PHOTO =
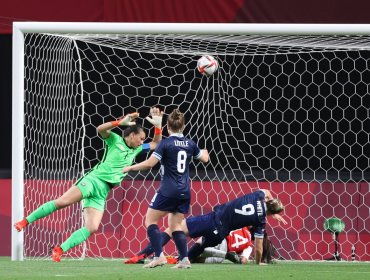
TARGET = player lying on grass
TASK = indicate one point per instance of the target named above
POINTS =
(248, 210)
(236, 247)
(93, 188)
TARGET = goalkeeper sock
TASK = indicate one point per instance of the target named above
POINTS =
(180, 240)
(148, 250)
(195, 251)
(41, 212)
(75, 239)
(155, 238)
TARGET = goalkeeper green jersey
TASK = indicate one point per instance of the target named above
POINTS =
(117, 155)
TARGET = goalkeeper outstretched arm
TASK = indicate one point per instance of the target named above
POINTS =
(129, 120)
(105, 128)
(155, 119)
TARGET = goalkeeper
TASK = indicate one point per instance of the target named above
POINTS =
(93, 188)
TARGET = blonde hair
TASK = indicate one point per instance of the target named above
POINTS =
(274, 206)
(176, 121)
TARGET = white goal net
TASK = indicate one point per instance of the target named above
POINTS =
(287, 113)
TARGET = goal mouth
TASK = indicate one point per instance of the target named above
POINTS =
(288, 113)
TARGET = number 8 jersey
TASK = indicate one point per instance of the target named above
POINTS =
(175, 153)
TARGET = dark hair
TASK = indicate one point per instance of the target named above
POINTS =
(274, 206)
(176, 121)
(136, 129)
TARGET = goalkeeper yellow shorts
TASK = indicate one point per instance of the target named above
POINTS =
(94, 191)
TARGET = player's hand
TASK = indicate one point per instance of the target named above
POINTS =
(156, 117)
(279, 218)
(129, 119)
(126, 169)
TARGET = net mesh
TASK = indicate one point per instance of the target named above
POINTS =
(286, 113)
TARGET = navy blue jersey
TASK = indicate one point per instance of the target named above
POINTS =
(175, 153)
(248, 210)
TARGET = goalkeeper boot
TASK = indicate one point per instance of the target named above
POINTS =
(135, 259)
(21, 225)
(157, 261)
(233, 257)
(184, 263)
(56, 254)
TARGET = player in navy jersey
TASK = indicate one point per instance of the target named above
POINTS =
(173, 196)
(248, 210)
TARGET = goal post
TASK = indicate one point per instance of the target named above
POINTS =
(264, 121)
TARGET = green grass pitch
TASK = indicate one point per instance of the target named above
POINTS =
(106, 270)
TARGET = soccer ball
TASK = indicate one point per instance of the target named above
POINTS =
(207, 65)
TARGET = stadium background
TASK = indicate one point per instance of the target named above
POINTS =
(152, 11)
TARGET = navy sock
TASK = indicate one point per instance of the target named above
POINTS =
(148, 250)
(155, 239)
(180, 240)
(195, 251)
(165, 238)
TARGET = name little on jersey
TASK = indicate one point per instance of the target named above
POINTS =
(181, 143)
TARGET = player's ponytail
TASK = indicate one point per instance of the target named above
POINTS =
(176, 121)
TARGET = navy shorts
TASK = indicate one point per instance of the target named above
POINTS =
(170, 204)
(206, 226)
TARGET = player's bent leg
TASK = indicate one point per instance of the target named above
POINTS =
(71, 196)
(41, 212)
(93, 217)
(178, 234)
(92, 220)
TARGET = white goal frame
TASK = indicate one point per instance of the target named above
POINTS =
(20, 28)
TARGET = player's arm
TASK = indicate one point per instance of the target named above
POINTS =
(258, 248)
(156, 120)
(244, 256)
(204, 156)
(144, 165)
(279, 218)
(268, 195)
(104, 129)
